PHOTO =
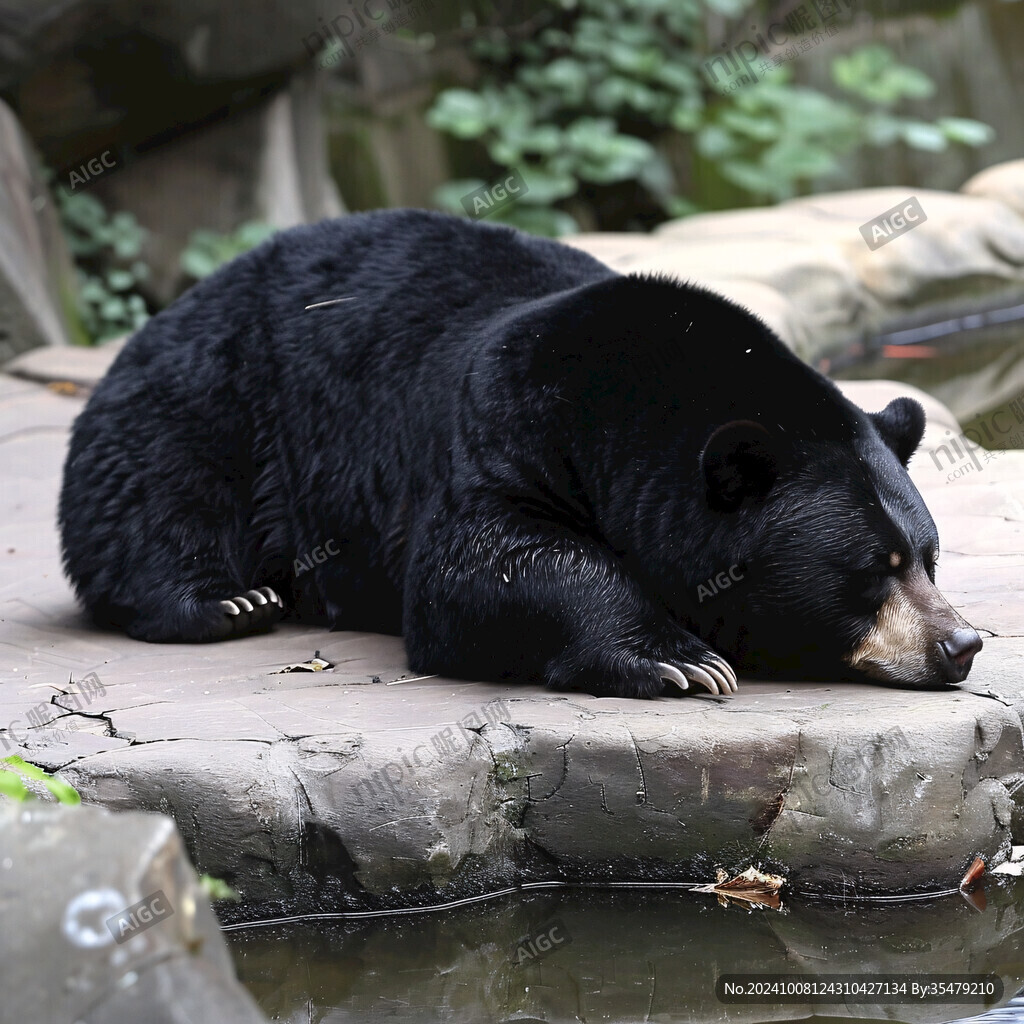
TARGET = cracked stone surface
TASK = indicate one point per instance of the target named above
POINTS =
(112, 908)
(358, 787)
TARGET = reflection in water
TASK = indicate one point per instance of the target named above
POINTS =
(623, 956)
(1012, 1013)
(972, 377)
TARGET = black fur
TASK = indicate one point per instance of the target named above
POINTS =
(901, 426)
(528, 463)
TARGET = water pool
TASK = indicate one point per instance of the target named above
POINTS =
(628, 955)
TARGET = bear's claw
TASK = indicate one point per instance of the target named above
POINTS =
(716, 677)
(255, 610)
(672, 675)
(723, 674)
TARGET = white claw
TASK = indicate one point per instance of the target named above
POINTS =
(724, 674)
(714, 669)
(673, 675)
(253, 599)
(716, 677)
(730, 674)
(697, 675)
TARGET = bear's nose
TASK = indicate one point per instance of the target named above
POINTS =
(960, 647)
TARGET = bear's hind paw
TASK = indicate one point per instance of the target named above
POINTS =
(254, 611)
(715, 676)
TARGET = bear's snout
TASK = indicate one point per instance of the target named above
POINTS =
(957, 651)
(917, 639)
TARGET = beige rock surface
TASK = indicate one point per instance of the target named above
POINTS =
(1003, 182)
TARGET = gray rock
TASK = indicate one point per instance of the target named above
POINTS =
(334, 790)
(36, 275)
(213, 43)
(155, 104)
(112, 909)
(266, 164)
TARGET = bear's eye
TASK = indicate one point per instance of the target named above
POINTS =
(871, 580)
(874, 576)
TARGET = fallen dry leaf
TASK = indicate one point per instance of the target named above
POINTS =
(974, 872)
(750, 888)
(313, 665)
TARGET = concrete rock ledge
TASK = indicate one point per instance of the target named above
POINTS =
(352, 788)
(324, 794)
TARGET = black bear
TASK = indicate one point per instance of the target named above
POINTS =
(529, 465)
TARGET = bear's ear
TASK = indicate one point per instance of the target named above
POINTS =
(901, 424)
(739, 461)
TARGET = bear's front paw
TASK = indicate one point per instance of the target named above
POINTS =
(689, 665)
(252, 612)
(713, 674)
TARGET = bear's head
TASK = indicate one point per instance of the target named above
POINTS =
(841, 576)
(765, 511)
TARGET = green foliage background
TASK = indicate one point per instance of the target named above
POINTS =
(589, 105)
(105, 248)
(619, 114)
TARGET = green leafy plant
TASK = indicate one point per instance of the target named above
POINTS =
(772, 139)
(105, 248)
(217, 888)
(12, 782)
(586, 107)
(208, 250)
